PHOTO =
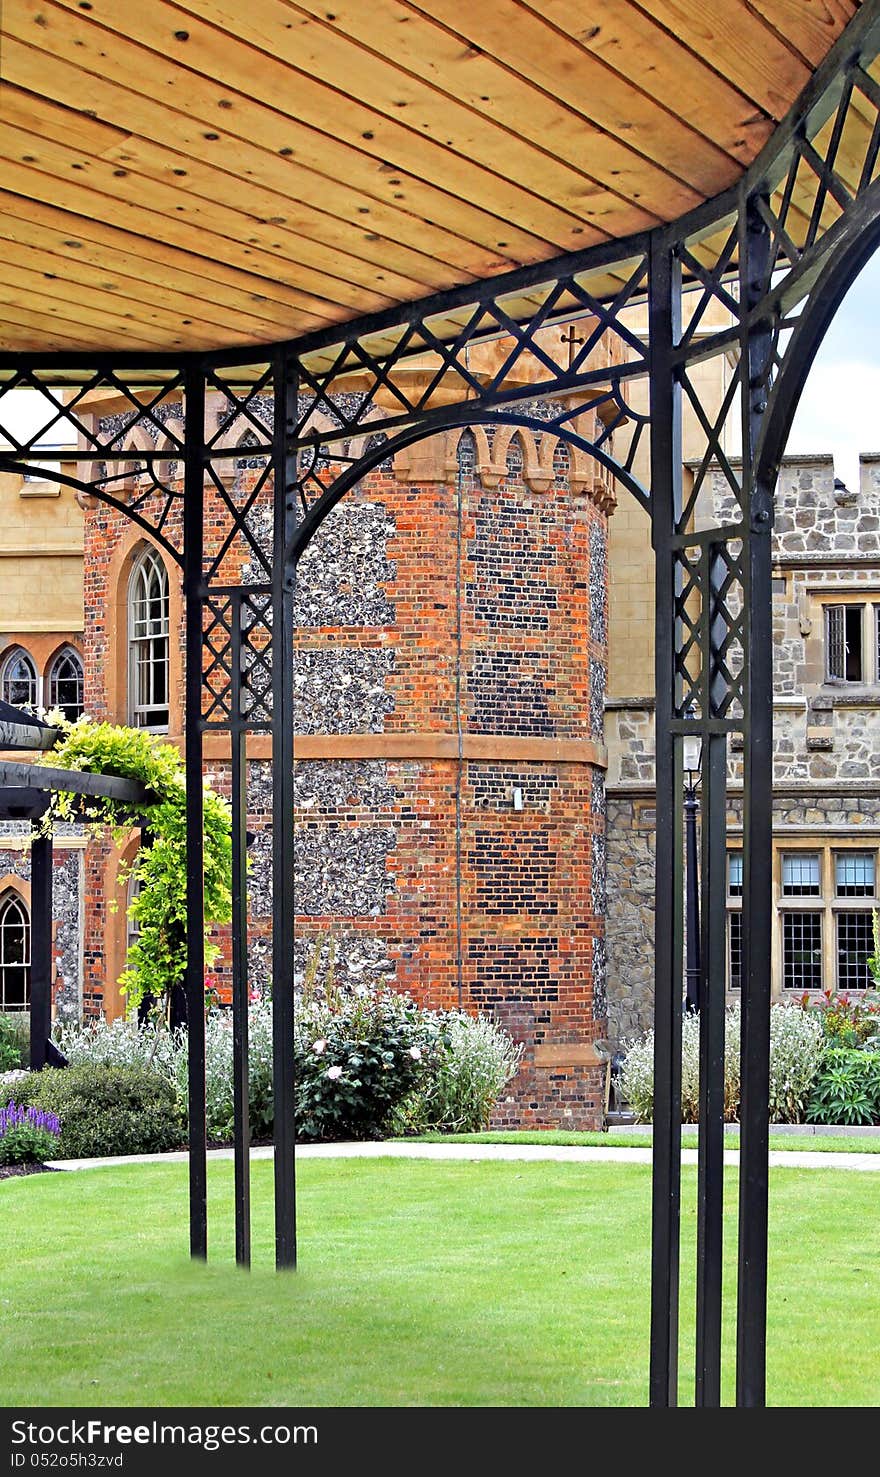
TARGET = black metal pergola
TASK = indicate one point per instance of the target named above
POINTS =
(25, 795)
(756, 275)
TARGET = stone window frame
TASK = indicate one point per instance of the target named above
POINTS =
(734, 887)
(827, 903)
(147, 554)
(867, 599)
(12, 892)
(18, 653)
(65, 653)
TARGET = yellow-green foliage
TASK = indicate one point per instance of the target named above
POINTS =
(157, 958)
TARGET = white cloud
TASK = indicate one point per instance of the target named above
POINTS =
(838, 413)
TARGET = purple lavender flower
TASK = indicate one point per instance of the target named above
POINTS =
(12, 1115)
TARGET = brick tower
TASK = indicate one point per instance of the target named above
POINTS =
(450, 678)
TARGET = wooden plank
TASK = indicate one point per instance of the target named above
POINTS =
(21, 802)
(183, 219)
(296, 197)
(659, 64)
(97, 243)
(346, 139)
(504, 111)
(809, 26)
(50, 184)
(358, 189)
(59, 333)
(33, 246)
(739, 45)
(535, 78)
(524, 139)
(84, 304)
(75, 782)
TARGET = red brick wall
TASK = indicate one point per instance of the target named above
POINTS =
(499, 636)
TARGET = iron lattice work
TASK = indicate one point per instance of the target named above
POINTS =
(601, 350)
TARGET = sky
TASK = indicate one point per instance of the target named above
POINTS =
(840, 407)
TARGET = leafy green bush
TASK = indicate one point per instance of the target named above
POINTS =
(15, 1043)
(27, 1135)
(473, 1062)
(847, 1089)
(105, 1110)
(125, 1044)
(795, 1058)
(157, 957)
(356, 1057)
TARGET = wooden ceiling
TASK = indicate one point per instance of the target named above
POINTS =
(213, 173)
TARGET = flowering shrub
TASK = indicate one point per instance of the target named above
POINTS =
(473, 1062)
(360, 1059)
(795, 1061)
(27, 1135)
(844, 1021)
(356, 1057)
(104, 1109)
(795, 1058)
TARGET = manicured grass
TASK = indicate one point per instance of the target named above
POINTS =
(620, 1138)
(419, 1284)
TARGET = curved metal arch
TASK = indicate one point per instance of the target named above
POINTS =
(820, 309)
(460, 416)
(93, 489)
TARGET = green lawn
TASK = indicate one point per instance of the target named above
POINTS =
(621, 1138)
(419, 1283)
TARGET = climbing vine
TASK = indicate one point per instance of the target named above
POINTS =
(157, 958)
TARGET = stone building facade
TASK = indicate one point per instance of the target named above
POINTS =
(450, 674)
(826, 764)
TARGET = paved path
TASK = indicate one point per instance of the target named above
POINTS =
(559, 1153)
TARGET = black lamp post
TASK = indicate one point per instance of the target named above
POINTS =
(692, 754)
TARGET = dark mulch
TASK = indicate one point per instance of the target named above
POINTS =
(10, 1171)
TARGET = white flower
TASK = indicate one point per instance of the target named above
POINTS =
(416, 1053)
(319, 1046)
(334, 1073)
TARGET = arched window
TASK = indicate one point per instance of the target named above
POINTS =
(66, 684)
(19, 681)
(15, 953)
(148, 642)
(132, 927)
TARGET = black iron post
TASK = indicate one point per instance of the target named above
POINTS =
(41, 943)
(666, 472)
(692, 890)
(283, 906)
(755, 249)
(241, 1103)
(711, 995)
(193, 594)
